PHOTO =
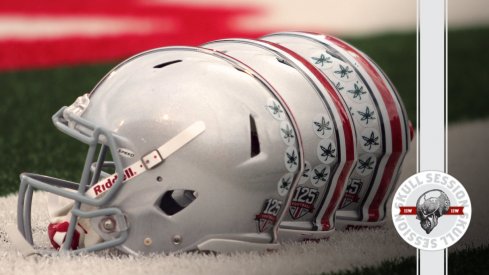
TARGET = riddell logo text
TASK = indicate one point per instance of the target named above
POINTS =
(105, 185)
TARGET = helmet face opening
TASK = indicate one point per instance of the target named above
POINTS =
(67, 206)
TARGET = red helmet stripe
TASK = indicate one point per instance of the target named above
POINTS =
(348, 134)
(395, 123)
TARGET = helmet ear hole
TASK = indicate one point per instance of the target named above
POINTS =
(174, 201)
(281, 60)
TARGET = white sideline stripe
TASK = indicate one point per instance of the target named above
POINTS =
(40, 27)
(334, 17)
(353, 17)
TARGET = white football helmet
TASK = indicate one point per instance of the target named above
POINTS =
(191, 157)
(383, 130)
(326, 130)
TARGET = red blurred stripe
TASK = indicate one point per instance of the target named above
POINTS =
(136, 8)
(191, 25)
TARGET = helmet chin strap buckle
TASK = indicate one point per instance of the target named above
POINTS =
(151, 159)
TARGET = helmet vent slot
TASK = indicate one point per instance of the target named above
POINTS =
(159, 66)
(255, 142)
(280, 60)
(174, 201)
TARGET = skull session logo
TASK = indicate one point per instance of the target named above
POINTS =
(431, 210)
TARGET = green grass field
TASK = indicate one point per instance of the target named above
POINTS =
(29, 141)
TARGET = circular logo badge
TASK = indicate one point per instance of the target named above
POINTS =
(431, 210)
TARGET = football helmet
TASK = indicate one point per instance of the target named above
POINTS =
(191, 156)
(326, 130)
(379, 117)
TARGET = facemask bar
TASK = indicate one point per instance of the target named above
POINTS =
(96, 167)
(29, 182)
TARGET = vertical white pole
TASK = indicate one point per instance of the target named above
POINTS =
(431, 108)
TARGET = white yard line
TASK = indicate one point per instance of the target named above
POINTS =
(42, 27)
(353, 17)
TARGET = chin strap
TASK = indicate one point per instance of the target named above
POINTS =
(19, 242)
(57, 235)
(150, 160)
